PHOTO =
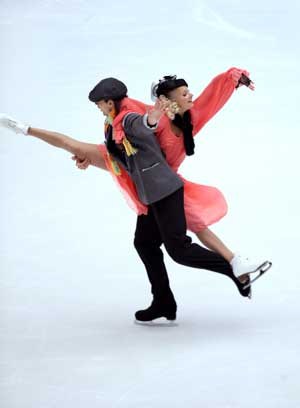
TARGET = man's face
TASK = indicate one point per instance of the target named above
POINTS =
(105, 106)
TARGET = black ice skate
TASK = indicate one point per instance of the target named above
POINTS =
(157, 309)
(244, 287)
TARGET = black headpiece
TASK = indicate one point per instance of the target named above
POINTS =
(166, 84)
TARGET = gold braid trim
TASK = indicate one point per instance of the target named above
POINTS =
(130, 150)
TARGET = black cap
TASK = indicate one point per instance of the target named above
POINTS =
(108, 88)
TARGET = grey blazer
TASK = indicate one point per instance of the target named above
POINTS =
(148, 169)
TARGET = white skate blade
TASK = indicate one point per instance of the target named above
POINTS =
(262, 269)
(159, 322)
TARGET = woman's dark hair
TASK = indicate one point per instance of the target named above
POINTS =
(167, 84)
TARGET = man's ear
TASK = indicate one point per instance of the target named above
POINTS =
(110, 103)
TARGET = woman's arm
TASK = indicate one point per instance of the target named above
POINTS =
(87, 153)
(214, 97)
(83, 152)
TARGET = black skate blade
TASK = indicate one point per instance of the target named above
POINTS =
(159, 322)
(246, 284)
(262, 269)
(250, 293)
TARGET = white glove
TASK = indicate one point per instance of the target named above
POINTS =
(12, 124)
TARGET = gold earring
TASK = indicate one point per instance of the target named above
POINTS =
(172, 107)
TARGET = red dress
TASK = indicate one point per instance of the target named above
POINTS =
(204, 205)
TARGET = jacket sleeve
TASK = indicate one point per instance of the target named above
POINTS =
(214, 97)
(134, 124)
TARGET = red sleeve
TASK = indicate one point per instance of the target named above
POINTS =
(214, 97)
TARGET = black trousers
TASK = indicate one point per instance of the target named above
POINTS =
(165, 224)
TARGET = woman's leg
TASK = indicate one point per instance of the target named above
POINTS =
(79, 149)
(211, 241)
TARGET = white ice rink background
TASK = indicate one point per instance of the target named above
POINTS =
(70, 278)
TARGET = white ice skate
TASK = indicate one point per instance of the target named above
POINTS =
(13, 124)
(245, 266)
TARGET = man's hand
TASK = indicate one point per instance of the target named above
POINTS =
(161, 106)
(82, 164)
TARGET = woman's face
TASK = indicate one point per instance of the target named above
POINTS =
(183, 97)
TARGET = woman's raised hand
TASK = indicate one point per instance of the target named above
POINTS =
(242, 79)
